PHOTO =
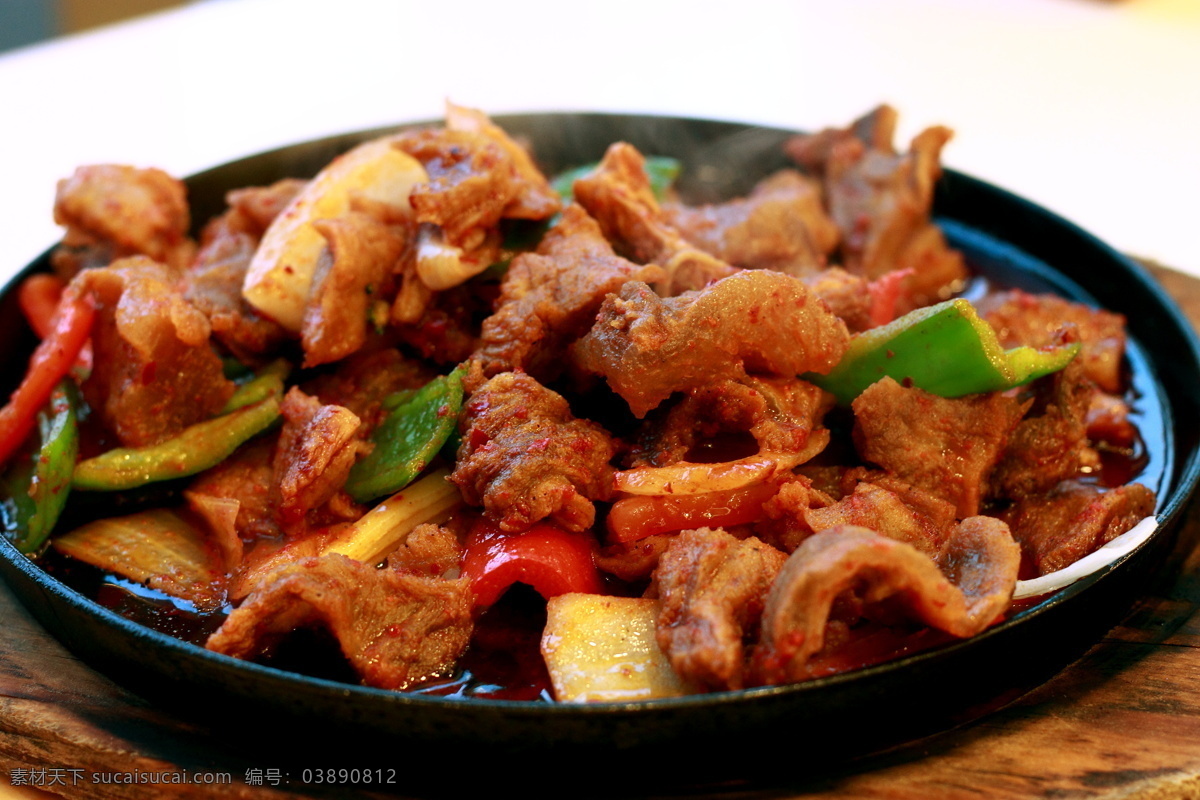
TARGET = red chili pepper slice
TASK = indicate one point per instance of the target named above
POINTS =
(551, 560)
(49, 364)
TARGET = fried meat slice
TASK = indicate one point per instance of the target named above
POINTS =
(780, 225)
(711, 588)
(395, 629)
(349, 277)
(155, 370)
(524, 457)
(549, 298)
(618, 195)
(755, 322)
(112, 211)
(1021, 318)
(881, 201)
(945, 446)
(962, 590)
(1058, 528)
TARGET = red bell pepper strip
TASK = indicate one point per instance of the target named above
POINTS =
(551, 560)
(38, 296)
(639, 516)
(49, 364)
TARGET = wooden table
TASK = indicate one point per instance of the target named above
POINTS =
(1122, 722)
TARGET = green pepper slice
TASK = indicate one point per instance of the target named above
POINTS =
(408, 439)
(945, 349)
(37, 488)
(197, 448)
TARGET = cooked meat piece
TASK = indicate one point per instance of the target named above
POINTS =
(219, 517)
(881, 202)
(363, 381)
(1021, 318)
(525, 458)
(255, 207)
(963, 590)
(1108, 421)
(429, 551)
(549, 298)
(779, 413)
(754, 322)
(349, 277)
(536, 200)
(711, 587)
(245, 478)
(317, 447)
(213, 284)
(618, 195)
(477, 176)
(780, 225)
(443, 326)
(945, 446)
(395, 630)
(1057, 529)
(886, 513)
(1050, 445)
(155, 371)
(125, 211)
(784, 525)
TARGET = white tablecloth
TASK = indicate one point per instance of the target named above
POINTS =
(1091, 108)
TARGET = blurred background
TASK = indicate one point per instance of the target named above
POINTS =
(1088, 107)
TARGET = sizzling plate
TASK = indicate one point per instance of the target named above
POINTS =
(846, 714)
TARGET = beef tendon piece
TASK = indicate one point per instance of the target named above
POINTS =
(780, 225)
(349, 277)
(525, 458)
(755, 322)
(122, 211)
(317, 447)
(962, 590)
(1035, 320)
(549, 298)
(881, 201)
(618, 195)
(155, 370)
(945, 446)
(395, 629)
(1057, 529)
(711, 588)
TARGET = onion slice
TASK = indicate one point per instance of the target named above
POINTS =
(686, 477)
(1121, 546)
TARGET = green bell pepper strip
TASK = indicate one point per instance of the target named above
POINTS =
(661, 170)
(268, 382)
(408, 439)
(945, 349)
(197, 448)
(38, 487)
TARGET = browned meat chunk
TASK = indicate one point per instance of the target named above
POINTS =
(780, 225)
(255, 207)
(886, 513)
(363, 381)
(1021, 318)
(754, 322)
(525, 458)
(780, 414)
(634, 561)
(348, 279)
(155, 372)
(125, 211)
(618, 195)
(549, 298)
(395, 630)
(477, 176)
(711, 587)
(945, 446)
(1057, 529)
(429, 551)
(961, 591)
(881, 202)
(245, 478)
(1050, 445)
(317, 447)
